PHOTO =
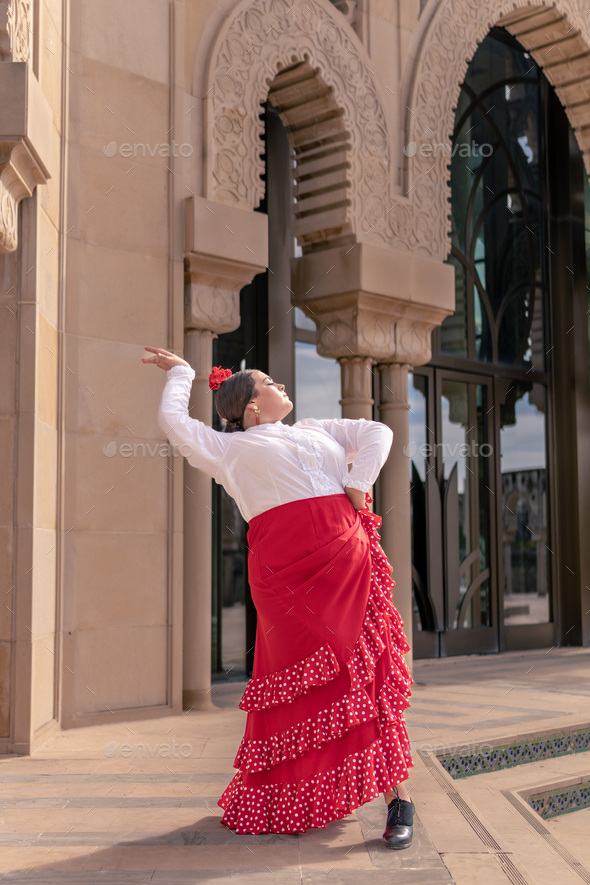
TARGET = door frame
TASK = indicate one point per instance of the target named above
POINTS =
(497, 637)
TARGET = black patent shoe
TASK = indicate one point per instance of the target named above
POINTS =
(399, 829)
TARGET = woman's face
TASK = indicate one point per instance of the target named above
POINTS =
(271, 399)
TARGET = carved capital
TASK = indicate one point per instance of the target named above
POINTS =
(373, 302)
(212, 292)
(26, 125)
(225, 247)
(19, 174)
(14, 30)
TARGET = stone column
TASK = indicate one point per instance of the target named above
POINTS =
(396, 535)
(357, 387)
(196, 663)
(225, 248)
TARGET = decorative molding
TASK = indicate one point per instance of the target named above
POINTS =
(354, 324)
(246, 61)
(14, 30)
(8, 220)
(372, 302)
(224, 249)
(456, 29)
(212, 292)
(530, 748)
(342, 107)
(19, 174)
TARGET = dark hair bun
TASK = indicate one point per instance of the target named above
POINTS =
(233, 426)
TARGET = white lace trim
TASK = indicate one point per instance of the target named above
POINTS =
(178, 371)
(312, 461)
(356, 484)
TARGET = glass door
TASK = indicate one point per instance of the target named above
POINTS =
(453, 509)
(462, 465)
(525, 545)
(481, 545)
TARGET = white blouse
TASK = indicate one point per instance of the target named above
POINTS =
(272, 464)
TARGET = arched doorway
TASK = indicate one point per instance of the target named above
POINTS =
(492, 465)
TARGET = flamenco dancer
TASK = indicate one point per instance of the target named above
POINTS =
(325, 731)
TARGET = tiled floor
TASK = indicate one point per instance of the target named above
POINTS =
(71, 814)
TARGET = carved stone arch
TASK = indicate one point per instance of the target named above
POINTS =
(558, 38)
(309, 63)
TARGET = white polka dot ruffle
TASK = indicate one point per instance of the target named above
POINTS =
(288, 685)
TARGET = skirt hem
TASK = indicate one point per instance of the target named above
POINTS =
(290, 808)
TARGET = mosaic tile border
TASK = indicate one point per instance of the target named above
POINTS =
(495, 758)
(561, 801)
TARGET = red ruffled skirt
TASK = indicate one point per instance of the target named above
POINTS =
(325, 731)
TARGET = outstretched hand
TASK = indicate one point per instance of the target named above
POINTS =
(163, 358)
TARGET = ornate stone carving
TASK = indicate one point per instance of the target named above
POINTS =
(225, 248)
(212, 292)
(359, 300)
(245, 61)
(456, 29)
(19, 174)
(262, 38)
(412, 339)
(14, 30)
(381, 334)
(8, 220)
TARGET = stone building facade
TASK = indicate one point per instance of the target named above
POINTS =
(135, 164)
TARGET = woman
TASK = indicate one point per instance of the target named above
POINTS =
(325, 731)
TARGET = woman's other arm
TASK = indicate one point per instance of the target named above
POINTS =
(201, 445)
(367, 445)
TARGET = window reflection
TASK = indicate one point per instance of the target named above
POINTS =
(587, 242)
(233, 587)
(418, 429)
(418, 466)
(524, 505)
(465, 458)
(497, 211)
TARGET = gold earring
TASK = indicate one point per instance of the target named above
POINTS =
(257, 410)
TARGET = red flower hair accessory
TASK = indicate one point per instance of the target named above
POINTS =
(218, 376)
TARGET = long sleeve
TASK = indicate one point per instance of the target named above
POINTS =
(202, 446)
(366, 443)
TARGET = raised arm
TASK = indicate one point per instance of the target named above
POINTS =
(366, 443)
(202, 446)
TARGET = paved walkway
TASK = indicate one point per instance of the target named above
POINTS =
(85, 810)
